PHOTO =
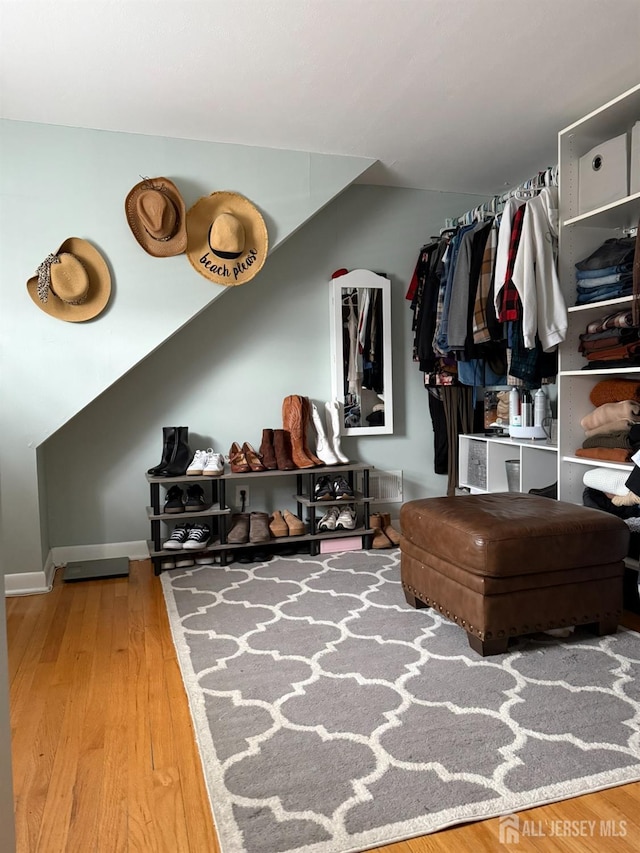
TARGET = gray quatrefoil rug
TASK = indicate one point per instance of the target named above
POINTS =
(332, 717)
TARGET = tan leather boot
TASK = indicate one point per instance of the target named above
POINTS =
(390, 531)
(380, 539)
(293, 423)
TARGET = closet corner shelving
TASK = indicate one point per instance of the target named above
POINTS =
(579, 235)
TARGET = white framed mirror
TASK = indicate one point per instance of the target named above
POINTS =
(361, 352)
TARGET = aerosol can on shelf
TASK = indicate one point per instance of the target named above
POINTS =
(539, 407)
(515, 418)
(526, 409)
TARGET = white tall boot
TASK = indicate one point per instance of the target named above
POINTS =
(333, 412)
(323, 447)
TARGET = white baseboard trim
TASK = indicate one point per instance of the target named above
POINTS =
(31, 583)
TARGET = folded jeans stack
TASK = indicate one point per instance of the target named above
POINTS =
(606, 273)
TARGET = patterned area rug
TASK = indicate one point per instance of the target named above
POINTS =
(332, 717)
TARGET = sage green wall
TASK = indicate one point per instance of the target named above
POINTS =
(226, 373)
(58, 182)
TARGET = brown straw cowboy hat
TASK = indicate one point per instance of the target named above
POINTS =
(74, 284)
(227, 240)
(156, 215)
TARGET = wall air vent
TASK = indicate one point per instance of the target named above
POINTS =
(384, 486)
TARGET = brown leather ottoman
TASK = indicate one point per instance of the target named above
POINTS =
(507, 564)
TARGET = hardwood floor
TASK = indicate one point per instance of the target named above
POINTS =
(104, 757)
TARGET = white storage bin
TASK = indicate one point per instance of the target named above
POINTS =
(603, 174)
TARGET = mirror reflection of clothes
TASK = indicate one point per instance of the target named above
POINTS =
(363, 365)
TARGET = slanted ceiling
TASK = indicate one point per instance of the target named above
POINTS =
(458, 95)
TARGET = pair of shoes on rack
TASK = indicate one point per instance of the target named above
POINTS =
(338, 518)
(285, 524)
(244, 459)
(180, 563)
(194, 502)
(190, 537)
(249, 527)
(206, 463)
(336, 489)
(384, 534)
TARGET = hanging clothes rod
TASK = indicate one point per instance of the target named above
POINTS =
(527, 189)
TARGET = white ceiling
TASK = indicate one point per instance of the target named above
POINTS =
(457, 95)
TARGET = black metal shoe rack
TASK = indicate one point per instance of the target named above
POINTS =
(218, 514)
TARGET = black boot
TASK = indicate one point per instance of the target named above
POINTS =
(180, 457)
(168, 443)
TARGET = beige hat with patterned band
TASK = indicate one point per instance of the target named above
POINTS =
(156, 215)
(227, 239)
(74, 284)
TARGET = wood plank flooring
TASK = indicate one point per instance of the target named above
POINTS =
(104, 757)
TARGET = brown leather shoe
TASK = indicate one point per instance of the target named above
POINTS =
(259, 527)
(282, 448)
(293, 423)
(277, 525)
(295, 525)
(255, 463)
(389, 531)
(239, 532)
(237, 460)
(267, 450)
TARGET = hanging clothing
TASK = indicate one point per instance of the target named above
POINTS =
(535, 275)
(502, 248)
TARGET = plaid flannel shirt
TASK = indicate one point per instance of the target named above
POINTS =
(511, 308)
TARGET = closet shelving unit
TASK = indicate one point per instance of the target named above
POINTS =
(579, 235)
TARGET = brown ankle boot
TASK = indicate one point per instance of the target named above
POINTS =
(267, 450)
(282, 449)
(259, 527)
(239, 532)
(389, 531)
(293, 423)
(380, 539)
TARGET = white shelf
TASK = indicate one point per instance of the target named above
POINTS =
(619, 214)
(580, 235)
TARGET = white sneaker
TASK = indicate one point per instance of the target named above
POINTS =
(214, 466)
(197, 464)
(329, 519)
(346, 519)
(184, 563)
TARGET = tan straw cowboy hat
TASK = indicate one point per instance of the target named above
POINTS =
(74, 284)
(155, 213)
(227, 239)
